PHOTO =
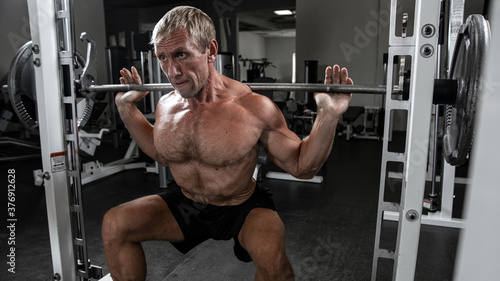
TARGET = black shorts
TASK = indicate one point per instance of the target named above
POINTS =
(199, 222)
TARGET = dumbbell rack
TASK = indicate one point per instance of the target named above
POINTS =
(53, 55)
(422, 48)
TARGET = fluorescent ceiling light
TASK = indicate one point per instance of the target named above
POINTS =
(283, 12)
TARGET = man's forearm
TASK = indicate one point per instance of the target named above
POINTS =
(316, 148)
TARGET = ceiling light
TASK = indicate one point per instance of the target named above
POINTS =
(283, 12)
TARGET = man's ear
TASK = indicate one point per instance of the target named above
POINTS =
(212, 50)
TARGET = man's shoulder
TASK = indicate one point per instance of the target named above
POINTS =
(238, 89)
(169, 96)
(259, 106)
(170, 101)
(251, 99)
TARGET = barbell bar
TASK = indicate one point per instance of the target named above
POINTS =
(287, 87)
(444, 89)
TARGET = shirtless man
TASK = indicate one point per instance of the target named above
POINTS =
(208, 132)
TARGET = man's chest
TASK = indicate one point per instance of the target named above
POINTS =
(220, 137)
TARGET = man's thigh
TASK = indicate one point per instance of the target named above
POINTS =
(148, 218)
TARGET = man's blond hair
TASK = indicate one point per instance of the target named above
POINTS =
(198, 24)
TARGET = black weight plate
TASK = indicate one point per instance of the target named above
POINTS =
(468, 61)
(22, 90)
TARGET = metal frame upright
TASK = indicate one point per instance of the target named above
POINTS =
(422, 47)
(53, 57)
(443, 216)
(52, 137)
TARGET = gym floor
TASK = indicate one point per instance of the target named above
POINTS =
(330, 226)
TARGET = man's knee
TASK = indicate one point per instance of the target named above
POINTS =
(271, 259)
(263, 236)
(113, 226)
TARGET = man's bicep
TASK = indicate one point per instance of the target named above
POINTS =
(282, 145)
(283, 149)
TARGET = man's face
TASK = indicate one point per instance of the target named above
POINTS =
(185, 66)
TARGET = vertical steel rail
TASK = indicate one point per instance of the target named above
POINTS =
(433, 196)
(456, 18)
(50, 108)
(422, 49)
(66, 61)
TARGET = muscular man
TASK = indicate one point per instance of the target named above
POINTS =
(208, 132)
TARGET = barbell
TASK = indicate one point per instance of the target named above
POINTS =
(287, 87)
(459, 92)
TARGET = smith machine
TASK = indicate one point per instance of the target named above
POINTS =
(63, 79)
